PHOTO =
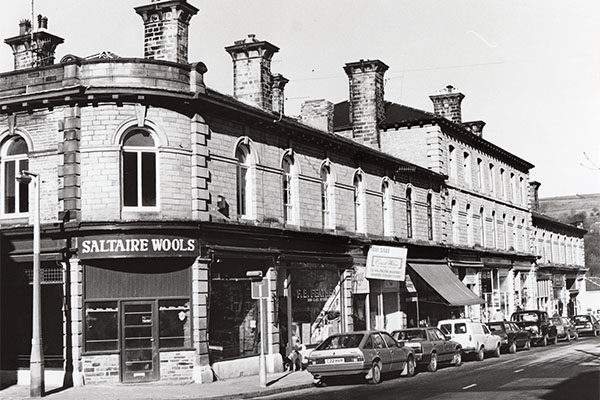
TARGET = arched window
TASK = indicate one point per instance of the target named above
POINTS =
(13, 160)
(480, 174)
(482, 226)
(409, 216)
(454, 217)
(430, 216)
(242, 155)
(492, 178)
(386, 207)
(523, 244)
(359, 204)
(288, 190)
(452, 162)
(505, 231)
(514, 233)
(467, 170)
(469, 212)
(139, 163)
(502, 183)
(327, 191)
(494, 230)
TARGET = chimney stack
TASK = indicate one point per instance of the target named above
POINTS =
(317, 114)
(33, 49)
(533, 195)
(446, 103)
(279, 83)
(252, 79)
(166, 29)
(367, 103)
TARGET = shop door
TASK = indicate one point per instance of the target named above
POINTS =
(139, 355)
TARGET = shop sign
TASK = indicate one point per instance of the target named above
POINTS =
(123, 246)
(360, 283)
(470, 280)
(558, 281)
(386, 263)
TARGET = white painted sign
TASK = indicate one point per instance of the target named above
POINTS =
(360, 284)
(386, 263)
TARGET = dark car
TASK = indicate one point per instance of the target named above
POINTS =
(512, 337)
(587, 324)
(538, 324)
(565, 328)
(366, 353)
(431, 346)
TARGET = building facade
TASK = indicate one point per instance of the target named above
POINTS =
(159, 195)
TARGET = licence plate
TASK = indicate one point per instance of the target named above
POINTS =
(334, 361)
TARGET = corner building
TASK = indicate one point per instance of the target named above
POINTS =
(159, 195)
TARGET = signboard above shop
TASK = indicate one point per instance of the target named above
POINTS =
(386, 263)
(139, 246)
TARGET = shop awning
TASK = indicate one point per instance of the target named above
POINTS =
(446, 284)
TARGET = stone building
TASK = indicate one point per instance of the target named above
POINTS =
(159, 195)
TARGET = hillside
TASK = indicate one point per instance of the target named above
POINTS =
(584, 208)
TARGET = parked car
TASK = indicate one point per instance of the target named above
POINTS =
(431, 346)
(538, 324)
(565, 328)
(587, 324)
(511, 336)
(474, 337)
(367, 353)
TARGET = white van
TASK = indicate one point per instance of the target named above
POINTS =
(474, 337)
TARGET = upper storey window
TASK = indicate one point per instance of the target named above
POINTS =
(386, 207)
(242, 155)
(139, 169)
(430, 216)
(288, 189)
(327, 199)
(409, 212)
(452, 162)
(359, 203)
(13, 160)
(467, 170)
(480, 174)
(492, 177)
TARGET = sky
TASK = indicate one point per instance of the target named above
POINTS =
(529, 69)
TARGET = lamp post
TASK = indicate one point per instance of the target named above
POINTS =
(36, 360)
(259, 292)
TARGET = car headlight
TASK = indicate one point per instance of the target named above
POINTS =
(534, 329)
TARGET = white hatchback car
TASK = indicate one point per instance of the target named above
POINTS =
(474, 337)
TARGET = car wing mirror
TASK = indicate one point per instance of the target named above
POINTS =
(400, 344)
(447, 337)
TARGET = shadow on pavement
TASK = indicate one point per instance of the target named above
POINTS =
(582, 386)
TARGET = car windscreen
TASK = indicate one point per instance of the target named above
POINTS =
(496, 327)
(525, 317)
(582, 319)
(341, 342)
(411, 334)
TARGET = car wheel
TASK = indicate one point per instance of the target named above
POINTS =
(480, 354)
(595, 333)
(512, 348)
(375, 374)
(528, 344)
(411, 367)
(497, 351)
(457, 359)
(320, 382)
(432, 366)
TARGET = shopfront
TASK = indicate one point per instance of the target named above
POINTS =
(137, 307)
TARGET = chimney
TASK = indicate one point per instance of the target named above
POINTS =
(475, 127)
(446, 103)
(318, 114)
(31, 48)
(252, 79)
(279, 83)
(533, 195)
(166, 29)
(367, 103)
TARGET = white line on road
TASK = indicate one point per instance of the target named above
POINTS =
(518, 370)
(470, 386)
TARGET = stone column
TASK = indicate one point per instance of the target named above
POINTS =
(200, 174)
(74, 291)
(200, 275)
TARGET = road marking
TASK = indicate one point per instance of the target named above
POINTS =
(470, 386)
(518, 370)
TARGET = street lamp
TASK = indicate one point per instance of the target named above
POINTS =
(36, 360)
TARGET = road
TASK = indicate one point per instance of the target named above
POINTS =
(557, 372)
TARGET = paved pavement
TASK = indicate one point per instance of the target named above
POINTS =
(246, 387)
